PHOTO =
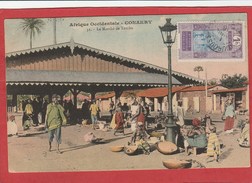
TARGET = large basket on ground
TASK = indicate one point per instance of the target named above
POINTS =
(116, 148)
(130, 150)
(167, 147)
(177, 164)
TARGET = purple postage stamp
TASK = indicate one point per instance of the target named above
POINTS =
(211, 40)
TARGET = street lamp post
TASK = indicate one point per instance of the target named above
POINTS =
(168, 32)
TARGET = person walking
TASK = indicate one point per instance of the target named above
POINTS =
(111, 109)
(94, 111)
(138, 121)
(229, 116)
(119, 121)
(180, 114)
(55, 118)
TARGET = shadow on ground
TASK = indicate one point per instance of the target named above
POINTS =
(100, 141)
(226, 153)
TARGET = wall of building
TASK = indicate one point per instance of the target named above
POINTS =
(195, 101)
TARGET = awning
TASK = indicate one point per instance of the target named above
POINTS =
(230, 90)
(158, 92)
(105, 96)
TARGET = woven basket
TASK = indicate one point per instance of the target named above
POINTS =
(167, 147)
(116, 148)
(177, 164)
(130, 150)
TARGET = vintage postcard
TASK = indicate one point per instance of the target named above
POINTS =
(131, 92)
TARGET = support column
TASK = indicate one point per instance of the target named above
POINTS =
(214, 102)
(118, 93)
(155, 103)
(61, 98)
(75, 92)
(50, 97)
(93, 95)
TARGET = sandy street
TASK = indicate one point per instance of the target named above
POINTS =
(30, 153)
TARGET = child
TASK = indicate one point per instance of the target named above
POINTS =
(207, 123)
(213, 146)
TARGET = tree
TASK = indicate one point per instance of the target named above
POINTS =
(31, 27)
(235, 81)
(54, 21)
(198, 69)
(212, 82)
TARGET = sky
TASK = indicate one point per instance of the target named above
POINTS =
(137, 41)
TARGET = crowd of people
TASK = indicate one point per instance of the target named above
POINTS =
(134, 114)
(34, 112)
(200, 134)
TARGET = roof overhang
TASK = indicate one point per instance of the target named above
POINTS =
(230, 90)
(25, 77)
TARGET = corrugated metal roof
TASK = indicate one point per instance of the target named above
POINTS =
(196, 88)
(37, 49)
(159, 92)
(72, 45)
(73, 77)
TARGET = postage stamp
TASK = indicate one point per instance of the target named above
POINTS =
(211, 40)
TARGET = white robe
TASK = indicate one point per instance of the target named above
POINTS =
(12, 128)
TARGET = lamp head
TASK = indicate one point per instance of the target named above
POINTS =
(168, 32)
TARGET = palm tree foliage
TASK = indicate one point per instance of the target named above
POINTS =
(31, 27)
(198, 69)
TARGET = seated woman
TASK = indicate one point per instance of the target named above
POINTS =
(244, 139)
(195, 137)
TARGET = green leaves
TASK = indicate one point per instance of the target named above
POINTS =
(235, 81)
(32, 26)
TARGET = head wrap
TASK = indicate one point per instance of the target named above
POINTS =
(196, 122)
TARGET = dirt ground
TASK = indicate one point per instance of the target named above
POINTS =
(30, 153)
